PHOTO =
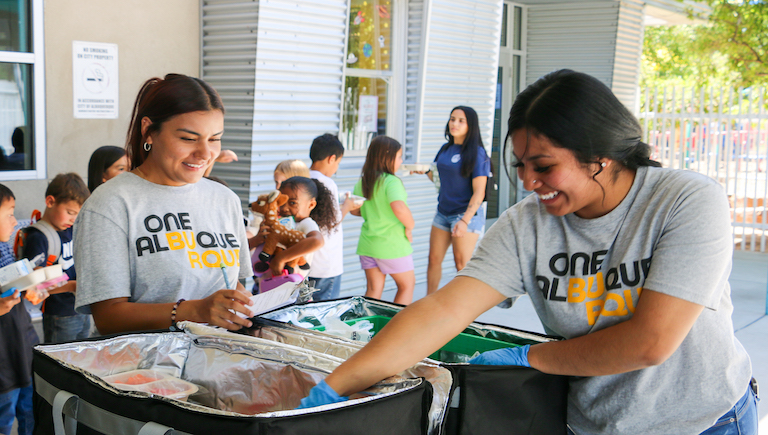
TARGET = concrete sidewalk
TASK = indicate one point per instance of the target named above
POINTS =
(749, 280)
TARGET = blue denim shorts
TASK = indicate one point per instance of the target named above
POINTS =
(740, 420)
(446, 223)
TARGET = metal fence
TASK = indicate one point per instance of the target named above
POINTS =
(721, 133)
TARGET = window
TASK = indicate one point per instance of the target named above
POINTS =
(368, 72)
(21, 99)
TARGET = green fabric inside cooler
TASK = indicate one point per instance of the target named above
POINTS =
(464, 344)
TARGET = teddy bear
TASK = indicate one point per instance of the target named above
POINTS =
(279, 238)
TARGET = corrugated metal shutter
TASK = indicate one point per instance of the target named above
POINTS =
(278, 66)
(299, 59)
(629, 47)
(580, 36)
(461, 67)
(229, 65)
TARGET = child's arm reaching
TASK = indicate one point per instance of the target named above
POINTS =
(403, 214)
(311, 243)
(349, 206)
(69, 287)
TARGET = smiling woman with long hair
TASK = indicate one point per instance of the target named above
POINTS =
(628, 261)
(463, 167)
(149, 244)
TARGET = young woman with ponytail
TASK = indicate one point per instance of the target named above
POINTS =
(628, 261)
(160, 244)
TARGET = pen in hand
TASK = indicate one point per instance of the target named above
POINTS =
(224, 272)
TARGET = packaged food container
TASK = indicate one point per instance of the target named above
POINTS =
(15, 271)
(53, 272)
(33, 278)
(359, 200)
(137, 377)
(418, 167)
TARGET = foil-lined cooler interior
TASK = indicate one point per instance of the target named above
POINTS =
(238, 375)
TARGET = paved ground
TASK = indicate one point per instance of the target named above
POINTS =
(749, 280)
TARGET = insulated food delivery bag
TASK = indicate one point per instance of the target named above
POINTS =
(484, 399)
(204, 380)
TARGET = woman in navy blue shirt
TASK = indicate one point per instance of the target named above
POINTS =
(463, 167)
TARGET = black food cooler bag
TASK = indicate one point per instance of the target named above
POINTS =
(72, 397)
(483, 399)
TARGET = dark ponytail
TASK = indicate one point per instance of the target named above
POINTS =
(161, 99)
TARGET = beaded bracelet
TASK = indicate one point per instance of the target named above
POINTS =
(173, 311)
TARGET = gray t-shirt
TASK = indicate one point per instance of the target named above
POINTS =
(671, 234)
(153, 243)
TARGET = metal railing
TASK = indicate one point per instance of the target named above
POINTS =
(721, 133)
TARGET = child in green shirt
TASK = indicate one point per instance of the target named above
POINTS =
(385, 238)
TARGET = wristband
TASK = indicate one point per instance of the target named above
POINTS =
(173, 311)
(465, 222)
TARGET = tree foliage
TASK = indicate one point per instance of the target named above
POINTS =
(731, 48)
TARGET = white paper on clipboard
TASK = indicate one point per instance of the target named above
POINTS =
(278, 297)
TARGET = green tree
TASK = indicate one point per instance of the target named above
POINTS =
(731, 48)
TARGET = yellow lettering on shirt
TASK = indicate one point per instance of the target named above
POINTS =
(621, 309)
(191, 243)
(600, 287)
(216, 258)
(194, 260)
(174, 241)
(576, 289)
(628, 298)
(593, 310)
(227, 262)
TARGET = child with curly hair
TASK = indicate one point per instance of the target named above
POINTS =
(310, 204)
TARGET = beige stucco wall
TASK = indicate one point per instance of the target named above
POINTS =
(153, 38)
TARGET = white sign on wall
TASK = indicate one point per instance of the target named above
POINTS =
(368, 113)
(94, 77)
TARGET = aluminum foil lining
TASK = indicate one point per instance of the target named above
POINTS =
(342, 348)
(238, 375)
(315, 314)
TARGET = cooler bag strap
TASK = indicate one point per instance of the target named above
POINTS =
(64, 425)
(152, 428)
(92, 416)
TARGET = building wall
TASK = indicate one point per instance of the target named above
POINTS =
(153, 38)
(601, 38)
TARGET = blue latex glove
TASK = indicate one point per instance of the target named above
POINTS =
(511, 356)
(321, 394)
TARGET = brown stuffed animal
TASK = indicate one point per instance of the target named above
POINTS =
(279, 237)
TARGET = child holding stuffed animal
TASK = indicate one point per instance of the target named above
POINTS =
(385, 239)
(310, 204)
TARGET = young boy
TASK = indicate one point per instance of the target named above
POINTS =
(63, 198)
(17, 337)
(328, 263)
